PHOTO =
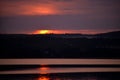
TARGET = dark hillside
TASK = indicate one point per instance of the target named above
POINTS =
(49, 46)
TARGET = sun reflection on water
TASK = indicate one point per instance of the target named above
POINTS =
(44, 70)
(43, 78)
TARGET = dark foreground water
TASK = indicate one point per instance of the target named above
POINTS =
(64, 76)
(59, 69)
(62, 73)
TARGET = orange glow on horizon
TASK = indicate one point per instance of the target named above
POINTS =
(64, 32)
(69, 31)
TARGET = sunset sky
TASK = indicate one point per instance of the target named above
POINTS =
(67, 16)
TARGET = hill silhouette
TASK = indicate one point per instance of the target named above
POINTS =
(104, 45)
(114, 34)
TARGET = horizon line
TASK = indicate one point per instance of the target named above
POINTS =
(67, 33)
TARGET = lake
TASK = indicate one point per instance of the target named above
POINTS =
(60, 69)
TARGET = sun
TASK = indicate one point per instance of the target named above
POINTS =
(43, 32)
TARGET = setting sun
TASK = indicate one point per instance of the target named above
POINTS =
(48, 32)
(44, 31)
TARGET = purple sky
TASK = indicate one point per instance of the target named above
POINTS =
(26, 16)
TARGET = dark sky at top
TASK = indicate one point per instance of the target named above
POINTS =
(25, 16)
